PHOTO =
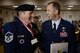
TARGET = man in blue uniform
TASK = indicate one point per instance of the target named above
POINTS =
(18, 35)
(56, 29)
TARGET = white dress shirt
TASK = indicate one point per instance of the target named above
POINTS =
(56, 22)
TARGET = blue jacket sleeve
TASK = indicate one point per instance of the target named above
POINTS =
(72, 40)
(9, 38)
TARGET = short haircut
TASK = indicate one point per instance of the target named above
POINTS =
(56, 5)
(36, 17)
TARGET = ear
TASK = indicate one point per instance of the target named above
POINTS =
(56, 11)
(19, 12)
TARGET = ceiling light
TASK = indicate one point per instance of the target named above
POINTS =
(39, 8)
(15, 6)
(70, 6)
(35, 6)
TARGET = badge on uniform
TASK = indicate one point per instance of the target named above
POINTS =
(21, 41)
(63, 33)
(34, 41)
(8, 37)
(20, 36)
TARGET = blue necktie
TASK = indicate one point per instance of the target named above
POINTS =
(54, 29)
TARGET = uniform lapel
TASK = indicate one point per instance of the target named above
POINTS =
(21, 26)
(60, 25)
(50, 24)
(50, 29)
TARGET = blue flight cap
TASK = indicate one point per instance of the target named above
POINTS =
(25, 7)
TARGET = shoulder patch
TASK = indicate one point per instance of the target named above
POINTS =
(8, 37)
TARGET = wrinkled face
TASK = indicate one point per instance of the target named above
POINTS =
(25, 16)
(51, 11)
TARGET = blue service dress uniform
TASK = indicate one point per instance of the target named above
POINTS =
(48, 36)
(17, 38)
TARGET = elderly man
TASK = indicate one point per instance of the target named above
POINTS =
(18, 35)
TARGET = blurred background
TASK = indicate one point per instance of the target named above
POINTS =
(70, 10)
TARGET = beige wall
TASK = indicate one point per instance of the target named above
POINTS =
(75, 14)
(64, 14)
(7, 15)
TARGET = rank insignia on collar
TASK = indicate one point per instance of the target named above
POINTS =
(8, 37)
